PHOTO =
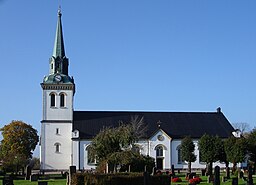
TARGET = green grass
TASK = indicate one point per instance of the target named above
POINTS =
(50, 182)
(184, 182)
(204, 181)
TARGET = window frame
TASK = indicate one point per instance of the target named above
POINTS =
(57, 147)
(179, 156)
(57, 131)
(52, 100)
(160, 151)
(89, 160)
(62, 100)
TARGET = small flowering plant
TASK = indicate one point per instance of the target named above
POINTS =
(176, 179)
(195, 180)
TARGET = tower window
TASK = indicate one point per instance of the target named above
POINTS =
(57, 131)
(62, 100)
(53, 100)
(57, 147)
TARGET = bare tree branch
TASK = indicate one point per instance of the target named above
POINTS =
(242, 126)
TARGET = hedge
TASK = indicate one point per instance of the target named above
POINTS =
(118, 179)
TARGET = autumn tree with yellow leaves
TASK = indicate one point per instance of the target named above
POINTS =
(19, 140)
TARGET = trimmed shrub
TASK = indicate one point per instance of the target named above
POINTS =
(160, 180)
(78, 179)
(118, 179)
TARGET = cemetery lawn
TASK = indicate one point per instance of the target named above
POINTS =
(184, 182)
(50, 182)
(204, 181)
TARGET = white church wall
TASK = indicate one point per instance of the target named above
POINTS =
(62, 113)
(175, 144)
(42, 147)
(147, 147)
(84, 155)
(56, 134)
(197, 164)
(143, 145)
(154, 141)
(75, 153)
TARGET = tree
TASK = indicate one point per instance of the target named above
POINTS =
(115, 145)
(130, 160)
(236, 149)
(222, 156)
(251, 139)
(19, 140)
(187, 151)
(210, 148)
(35, 163)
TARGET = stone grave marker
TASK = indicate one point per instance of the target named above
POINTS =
(216, 180)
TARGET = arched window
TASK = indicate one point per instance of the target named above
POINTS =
(57, 147)
(179, 154)
(91, 158)
(159, 151)
(62, 100)
(53, 100)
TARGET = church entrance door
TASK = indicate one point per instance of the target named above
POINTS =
(159, 163)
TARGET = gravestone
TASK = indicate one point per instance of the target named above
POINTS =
(34, 177)
(28, 173)
(191, 175)
(241, 175)
(216, 180)
(203, 172)
(250, 180)
(173, 172)
(228, 173)
(235, 181)
(72, 170)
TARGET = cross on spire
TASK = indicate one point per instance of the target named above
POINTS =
(159, 123)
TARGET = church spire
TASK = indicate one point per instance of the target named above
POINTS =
(59, 62)
(59, 50)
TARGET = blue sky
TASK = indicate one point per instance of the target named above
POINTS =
(150, 55)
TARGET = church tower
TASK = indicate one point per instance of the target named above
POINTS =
(58, 93)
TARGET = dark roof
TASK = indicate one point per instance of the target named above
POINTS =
(175, 124)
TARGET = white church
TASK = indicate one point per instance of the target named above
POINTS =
(66, 134)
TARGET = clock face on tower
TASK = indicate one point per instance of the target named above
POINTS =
(57, 78)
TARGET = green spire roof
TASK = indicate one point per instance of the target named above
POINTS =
(59, 50)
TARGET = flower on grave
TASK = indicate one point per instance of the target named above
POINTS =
(176, 179)
(195, 180)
